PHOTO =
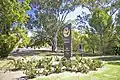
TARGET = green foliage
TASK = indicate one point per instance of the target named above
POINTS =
(67, 63)
(18, 64)
(7, 43)
(47, 65)
(12, 11)
(101, 37)
(97, 63)
(82, 68)
(85, 65)
(60, 39)
(104, 21)
(99, 18)
(80, 65)
(47, 4)
(30, 69)
(115, 51)
(57, 58)
(39, 63)
(118, 18)
(92, 42)
(91, 64)
(29, 66)
(58, 67)
(22, 32)
(77, 38)
(11, 41)
(50, 18)
(31, 72)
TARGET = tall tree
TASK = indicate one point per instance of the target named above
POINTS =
(102, 24)
(58, 8)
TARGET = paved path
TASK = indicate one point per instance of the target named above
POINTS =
(11, 75)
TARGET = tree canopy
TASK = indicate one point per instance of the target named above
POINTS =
(12, 17)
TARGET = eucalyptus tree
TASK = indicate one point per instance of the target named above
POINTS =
(51, 15)
(102, 24)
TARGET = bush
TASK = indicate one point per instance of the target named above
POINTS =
(115, 51)
(90, 63)
(31, 72)
(18, 64)
(7, 43)
(97, 63)
(58, 67)
(39, 63)
(63, 61)
(48, 65)
(30, 69)
(80, 65)
(82, 68)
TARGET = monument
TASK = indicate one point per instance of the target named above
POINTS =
(67, 41)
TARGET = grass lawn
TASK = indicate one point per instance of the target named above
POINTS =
(112, 72)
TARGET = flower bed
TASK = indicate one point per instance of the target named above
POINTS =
(36, 66)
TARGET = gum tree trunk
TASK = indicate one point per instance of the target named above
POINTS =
(54, 44)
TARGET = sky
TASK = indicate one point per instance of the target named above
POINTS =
(71, 16)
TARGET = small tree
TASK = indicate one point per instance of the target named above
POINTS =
(12, 14)
(77, 38)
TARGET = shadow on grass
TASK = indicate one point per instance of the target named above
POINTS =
(114, 58)
(114, 63)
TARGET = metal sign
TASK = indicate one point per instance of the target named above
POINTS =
(67, 40)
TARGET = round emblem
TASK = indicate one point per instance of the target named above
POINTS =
(66, 32)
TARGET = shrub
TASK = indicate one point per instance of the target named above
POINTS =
(58, 67)
(47, 65)
(94, 64)
(30, 69)
(57, 58)
(78, 58)
(7, 43)
(18, 64)
(31, 72)
(90, 64)
(67, 63)
(11, 40)
(39, 63)
(97, 63)
(63, 61)
(82, 68)
(115, 50)
(78, 64)
(29, 66)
